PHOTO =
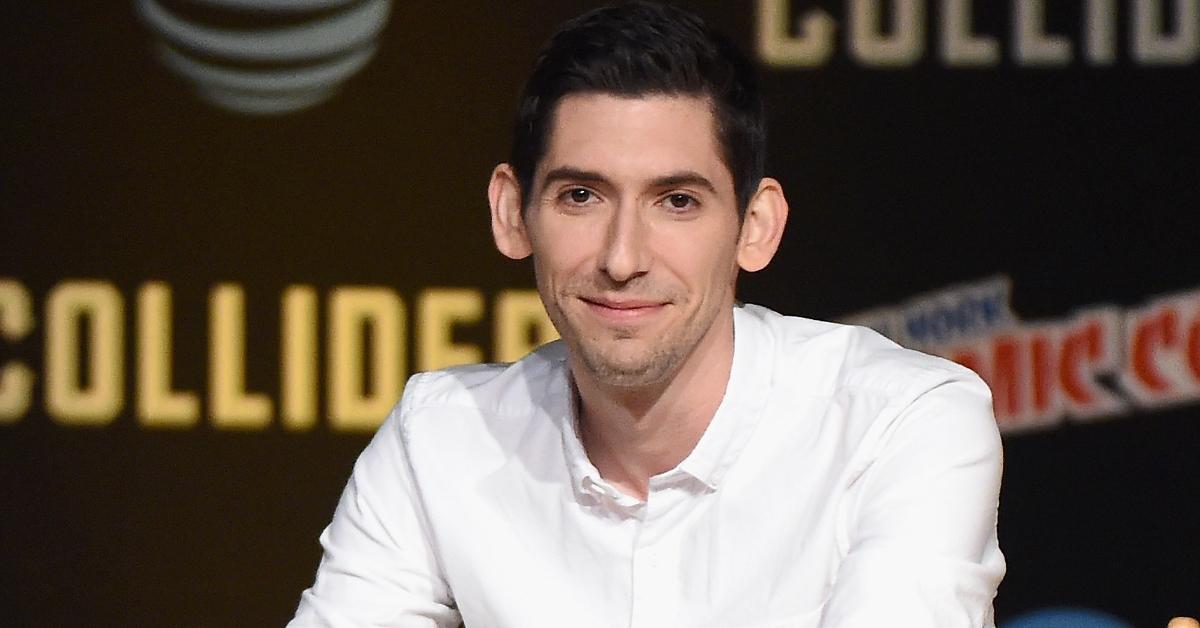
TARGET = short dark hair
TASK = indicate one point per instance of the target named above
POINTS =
(642, 48)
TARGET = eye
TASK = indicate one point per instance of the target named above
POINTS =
(680, 201)
(579, 196)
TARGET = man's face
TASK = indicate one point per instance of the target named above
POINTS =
(634, 229)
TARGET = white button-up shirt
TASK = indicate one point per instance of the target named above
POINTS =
(843, 481)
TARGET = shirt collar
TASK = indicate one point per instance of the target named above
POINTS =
(745, 395)
(579, 465)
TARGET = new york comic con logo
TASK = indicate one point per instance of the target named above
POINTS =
(1098, 363)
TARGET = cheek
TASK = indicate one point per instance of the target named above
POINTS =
(566, 244)
(702, 266)
(556, 261)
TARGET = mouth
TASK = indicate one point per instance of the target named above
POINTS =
(623, 310)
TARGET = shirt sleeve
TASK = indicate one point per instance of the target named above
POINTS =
(379, 567)
(921, 545)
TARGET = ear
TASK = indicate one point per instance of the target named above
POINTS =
(508, 223)
(762, 227)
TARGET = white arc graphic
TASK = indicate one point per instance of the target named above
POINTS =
(289, 54)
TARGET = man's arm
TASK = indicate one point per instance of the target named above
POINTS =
(921, 538)
(379, 568)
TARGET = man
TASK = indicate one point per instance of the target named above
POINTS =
(677, 459)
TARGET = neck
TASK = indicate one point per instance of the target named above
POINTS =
(632, 434)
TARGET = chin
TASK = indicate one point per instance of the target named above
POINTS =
(628, 371)
(627, 378)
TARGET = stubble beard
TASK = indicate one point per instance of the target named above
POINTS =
(658, 359)
(639, 372)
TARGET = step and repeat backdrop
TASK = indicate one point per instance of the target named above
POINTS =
(232, 228)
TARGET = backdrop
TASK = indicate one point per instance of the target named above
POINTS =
(231, 229)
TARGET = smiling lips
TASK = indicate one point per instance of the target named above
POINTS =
(623, 310)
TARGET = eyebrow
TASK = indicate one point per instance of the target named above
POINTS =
(572, 174)
(683, 177)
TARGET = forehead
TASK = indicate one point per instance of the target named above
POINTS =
(635, 137)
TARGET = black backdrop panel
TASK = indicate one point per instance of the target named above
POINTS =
(1033, 152)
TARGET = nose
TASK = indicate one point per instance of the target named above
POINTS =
(625, 255)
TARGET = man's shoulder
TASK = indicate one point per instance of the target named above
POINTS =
(508, 389)
(475, 419)
(874, 392)
(833, 358)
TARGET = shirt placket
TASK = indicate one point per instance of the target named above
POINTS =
(654, 601)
